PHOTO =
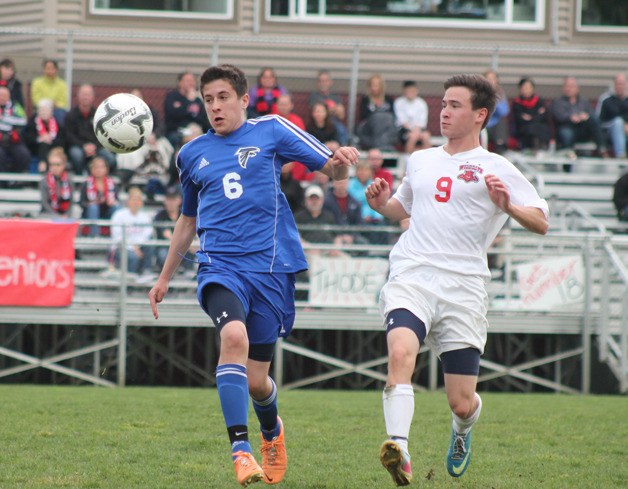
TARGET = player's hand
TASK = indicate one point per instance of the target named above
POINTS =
(498, 192)
(377, 193)
(157, 294)
(345, 156)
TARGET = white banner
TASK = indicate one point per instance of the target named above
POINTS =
(346, 281)
(552, 283)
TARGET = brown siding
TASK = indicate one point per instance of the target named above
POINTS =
(436, 54)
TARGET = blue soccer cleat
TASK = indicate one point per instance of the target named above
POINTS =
(459, 453)
(397, 462)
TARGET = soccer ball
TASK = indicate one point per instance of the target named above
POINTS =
(122, 123)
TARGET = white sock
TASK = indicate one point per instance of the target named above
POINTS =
(463, 426)
(398, 412)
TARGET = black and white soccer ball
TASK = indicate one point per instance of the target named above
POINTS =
(122, 123)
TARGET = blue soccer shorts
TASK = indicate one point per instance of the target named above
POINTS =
(267, 299)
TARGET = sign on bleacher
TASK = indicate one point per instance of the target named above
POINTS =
(346, 281)
(552, 283)
(36, 262)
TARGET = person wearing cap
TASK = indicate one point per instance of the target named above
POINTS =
(249, 254)
(411, 114)
(314, 213)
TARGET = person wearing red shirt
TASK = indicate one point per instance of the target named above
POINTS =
(376, 160)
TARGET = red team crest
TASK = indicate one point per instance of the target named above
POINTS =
(470, 173)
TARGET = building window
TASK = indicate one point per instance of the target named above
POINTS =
(602, 15)
(213, 9)
(527, 14)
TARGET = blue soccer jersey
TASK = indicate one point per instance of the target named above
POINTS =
(231, 184)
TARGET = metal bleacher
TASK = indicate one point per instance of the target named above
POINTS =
(113, 309)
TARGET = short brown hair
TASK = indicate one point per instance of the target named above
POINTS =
(232, 74)
(483, 95)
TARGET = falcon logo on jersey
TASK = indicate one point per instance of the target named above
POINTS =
(470, 173)
(244, 154)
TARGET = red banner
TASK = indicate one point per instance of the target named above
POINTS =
(36, 262)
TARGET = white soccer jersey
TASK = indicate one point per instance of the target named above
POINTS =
(453, 220)
(411, 112)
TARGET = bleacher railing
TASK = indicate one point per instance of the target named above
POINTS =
(122, 302)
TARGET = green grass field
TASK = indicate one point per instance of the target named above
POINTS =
(88, 437)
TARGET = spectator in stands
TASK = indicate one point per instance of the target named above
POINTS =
(285, 108)
(324, 84)
(99, 194)
(497, 126)
(575, 120)
(314, 214)
(613, 114)
(81, 141)
(530, 118)
(43, 132)
(264, 95)
(620, 197)
(14, 155)
(137, 223)
(357, 185)
(375, 158)
(49, 85)
(56, 186)
(164, 222)
(411, 114)
(182, 106)
(291, 188)
(377, 127)
(346, 211)
(159, 142)
(8, 79)
(322, 127)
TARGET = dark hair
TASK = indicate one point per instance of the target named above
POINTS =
(483, 94)
(526, 79)
(7, 63)
(48, 60)
(409, 83)
(232, 74)
(328, 124)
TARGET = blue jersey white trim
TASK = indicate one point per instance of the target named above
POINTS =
(231, 184)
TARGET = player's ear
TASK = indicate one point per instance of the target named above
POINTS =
(245, 101)
(482, 115)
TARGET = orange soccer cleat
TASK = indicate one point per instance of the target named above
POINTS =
(247, 469)
(274, 457)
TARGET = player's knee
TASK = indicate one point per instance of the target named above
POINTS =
(399, 355)
(462, 406)
(258, 385)
(233, 337)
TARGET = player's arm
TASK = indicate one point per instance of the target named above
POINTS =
(378, 197)
(531, 218)
(337, 167)
(182, 237)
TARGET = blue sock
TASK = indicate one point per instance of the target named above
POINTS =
(266, 410)
(233, 392)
